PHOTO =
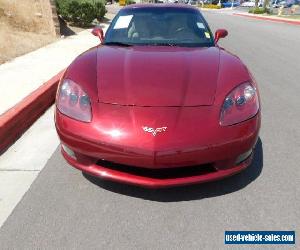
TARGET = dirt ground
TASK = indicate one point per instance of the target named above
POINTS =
(25, 25)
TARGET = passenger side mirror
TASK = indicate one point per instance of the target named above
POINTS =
(220, 33)
(97, 31)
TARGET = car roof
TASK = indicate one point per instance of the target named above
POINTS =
(162, 5)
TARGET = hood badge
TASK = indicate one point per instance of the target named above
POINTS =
(154, 131)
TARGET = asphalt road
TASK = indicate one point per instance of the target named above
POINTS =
(66, 210)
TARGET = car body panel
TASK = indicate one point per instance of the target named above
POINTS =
(127, 178)
(138, 80)
(116, 134)
(215, 81)
(230, 4)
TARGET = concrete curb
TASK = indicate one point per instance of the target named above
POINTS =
(15, 121)
(275, 19)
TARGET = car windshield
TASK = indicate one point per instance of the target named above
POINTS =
(161, 26)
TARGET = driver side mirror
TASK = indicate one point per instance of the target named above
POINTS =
(97, 31)
(220, 33)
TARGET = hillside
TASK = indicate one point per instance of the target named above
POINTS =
(25, 25)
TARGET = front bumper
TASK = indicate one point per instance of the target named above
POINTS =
(139, 180)
(226, 150)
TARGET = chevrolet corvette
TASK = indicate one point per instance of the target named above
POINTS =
(158, 103)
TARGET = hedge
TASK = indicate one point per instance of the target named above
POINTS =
(81, 12)
(259, 11)
(128, 2)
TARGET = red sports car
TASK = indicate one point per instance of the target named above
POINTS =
(158, 103)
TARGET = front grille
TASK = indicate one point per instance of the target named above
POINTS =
(165, 173)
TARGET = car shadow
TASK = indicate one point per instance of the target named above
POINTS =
(192, 192)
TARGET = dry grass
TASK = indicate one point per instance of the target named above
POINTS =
(25, 25)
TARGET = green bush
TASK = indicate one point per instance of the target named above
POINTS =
(100, 8)
(62, 8)
(81, 12)
(128, 2)
(259, 11)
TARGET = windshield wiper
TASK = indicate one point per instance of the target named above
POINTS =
(118, 44)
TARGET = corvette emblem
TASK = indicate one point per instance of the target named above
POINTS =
(155, 131)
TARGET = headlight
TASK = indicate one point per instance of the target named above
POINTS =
(73, 101)
(241, 104)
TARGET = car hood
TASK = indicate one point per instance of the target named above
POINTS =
(157, 75)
